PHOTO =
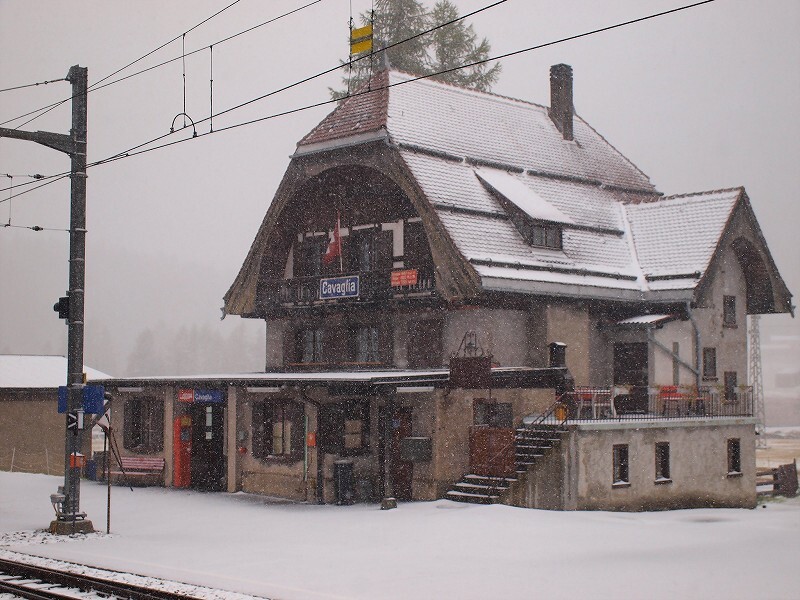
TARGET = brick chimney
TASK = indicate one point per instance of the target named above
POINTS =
(561, 109)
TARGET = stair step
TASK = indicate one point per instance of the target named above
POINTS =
(489, 478)
(472, 498)
(476, 488)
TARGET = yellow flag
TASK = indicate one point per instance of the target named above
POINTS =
(361, 39)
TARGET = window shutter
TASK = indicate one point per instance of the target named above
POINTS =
(128, 426)
(505, 415)
(258, 430)
(291, 345)
(384, 251)
(296, 412)
(156, 426)
(331, 429)
(299, 259)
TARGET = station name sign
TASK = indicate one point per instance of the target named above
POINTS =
(200, 396)
(339, 287)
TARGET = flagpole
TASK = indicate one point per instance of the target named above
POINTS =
(339, 239)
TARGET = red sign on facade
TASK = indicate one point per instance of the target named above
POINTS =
(404, 277)
(185, 395)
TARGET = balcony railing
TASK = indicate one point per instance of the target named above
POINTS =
(372, 286)
(665, 402)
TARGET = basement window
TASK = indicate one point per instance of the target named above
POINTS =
(621, 468)
(734, 457)
(662, 463)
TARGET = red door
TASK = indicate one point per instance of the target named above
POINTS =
(402, 471)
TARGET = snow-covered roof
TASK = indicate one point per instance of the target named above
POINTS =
(476, 156)
(647, 320)
(522, 196)
(678, 234)
(388, 376)
(18, 371)
(476, 125)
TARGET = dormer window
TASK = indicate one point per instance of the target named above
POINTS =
(539, 222)
(545, 235)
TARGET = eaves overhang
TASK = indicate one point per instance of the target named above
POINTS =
(584, 291)
(339, 143)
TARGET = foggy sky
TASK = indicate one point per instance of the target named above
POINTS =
(698, 100)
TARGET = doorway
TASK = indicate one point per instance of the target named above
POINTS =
(208, 462)
(402, 470)
(630, 369)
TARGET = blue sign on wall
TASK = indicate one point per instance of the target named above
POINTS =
(208, 396)
(93, 399)
(339, 287)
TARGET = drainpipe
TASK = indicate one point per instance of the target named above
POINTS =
(697, 346)
(320, 491)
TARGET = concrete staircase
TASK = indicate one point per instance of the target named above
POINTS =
(531, 444)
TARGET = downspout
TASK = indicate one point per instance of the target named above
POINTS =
(320, 458)
(697, 346)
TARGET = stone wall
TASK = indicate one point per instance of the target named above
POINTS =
(698, 464)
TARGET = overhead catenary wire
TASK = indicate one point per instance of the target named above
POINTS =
(135, 150)
(272, 93)
(96, 86)
(33, 228)
(27, 85)
(50, 107)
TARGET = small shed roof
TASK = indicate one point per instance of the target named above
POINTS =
(24, 371)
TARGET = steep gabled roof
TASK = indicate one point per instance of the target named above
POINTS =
(476, 125)
(677, 235)
(475, 158)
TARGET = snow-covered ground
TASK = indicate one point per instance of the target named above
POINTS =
(424, 550)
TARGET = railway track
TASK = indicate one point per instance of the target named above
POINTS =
(40, 583)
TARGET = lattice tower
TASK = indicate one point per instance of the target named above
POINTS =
(756, 380)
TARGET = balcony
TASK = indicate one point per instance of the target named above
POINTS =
(664, 402)
(358, 287)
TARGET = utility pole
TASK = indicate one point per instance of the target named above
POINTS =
(69, 519)
(756, 380)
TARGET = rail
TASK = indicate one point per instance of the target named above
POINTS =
(41, 583)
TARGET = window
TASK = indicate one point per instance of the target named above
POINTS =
(621, 476)
(545, 235)
(370, 250)
(729, 311)
(344, 427)
(424, 347)
(709, 363)
(730, 386)
(662, 462)
(278, 429)
(143, 427)
(308, 256)
(493, 414)
(734, 456)
(676, 365)
(367, 344)
(309, 345)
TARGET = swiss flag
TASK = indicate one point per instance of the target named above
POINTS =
(335, 245)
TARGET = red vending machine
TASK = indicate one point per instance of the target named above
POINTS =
(182, 451)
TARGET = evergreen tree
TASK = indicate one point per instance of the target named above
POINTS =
(445, 48)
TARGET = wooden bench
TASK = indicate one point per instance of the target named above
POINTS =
(139, 470)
